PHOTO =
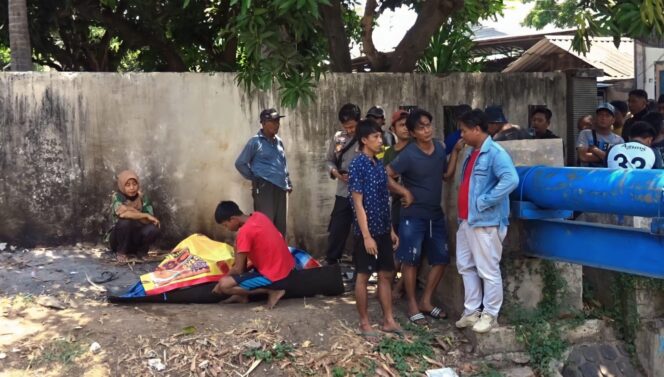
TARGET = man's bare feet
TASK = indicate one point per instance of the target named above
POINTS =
(236, 299)
(121, 258)
(273, 297)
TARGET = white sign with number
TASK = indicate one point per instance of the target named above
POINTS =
(632, 155)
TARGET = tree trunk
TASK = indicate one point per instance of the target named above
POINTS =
(411, 48)
(338, 46)
(19, 36)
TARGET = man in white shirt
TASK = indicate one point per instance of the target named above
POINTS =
(636, 154)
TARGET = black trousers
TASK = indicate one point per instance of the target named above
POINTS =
(341, 220)
(270, 200)
(132, 237)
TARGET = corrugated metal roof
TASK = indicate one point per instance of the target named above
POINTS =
(617, 63)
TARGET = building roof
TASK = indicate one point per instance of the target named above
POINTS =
(616, 62)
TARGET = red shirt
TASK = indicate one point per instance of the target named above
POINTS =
(265, 247)
(462, 203)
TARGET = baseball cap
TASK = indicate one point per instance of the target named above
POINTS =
(376, 112)
(495, 114)
(606, 106)
(270, 114)
(397, 115)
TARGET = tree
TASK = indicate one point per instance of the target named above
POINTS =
(637, 19)
(19, 35)
(287, 42)
(451, 48)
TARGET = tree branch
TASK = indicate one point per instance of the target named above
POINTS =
(377, 59)
(132, 32)
(335, 33)
(430, 18)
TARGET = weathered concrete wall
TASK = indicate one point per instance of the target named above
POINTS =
(63, 136)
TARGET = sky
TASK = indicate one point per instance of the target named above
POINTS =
(393, 25)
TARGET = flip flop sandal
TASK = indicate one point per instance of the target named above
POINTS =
(436, 313)
(417, 319)
(105, 277)
(399, 332)
(370, 336)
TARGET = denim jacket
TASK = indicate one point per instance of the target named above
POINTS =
(493, 179)
(265, 159)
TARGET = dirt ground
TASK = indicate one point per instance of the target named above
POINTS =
(51, 315)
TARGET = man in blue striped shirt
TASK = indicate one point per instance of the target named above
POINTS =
(263, 162)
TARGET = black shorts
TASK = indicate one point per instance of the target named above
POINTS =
(368, 264)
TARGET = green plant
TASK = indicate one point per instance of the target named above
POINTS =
(403, 352)
(278, 351)
(60, 351)
(539, 328)
(487, 370)
(338, 372)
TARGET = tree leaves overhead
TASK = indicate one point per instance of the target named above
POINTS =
(451, 47)
(637, 19)
(287, 43)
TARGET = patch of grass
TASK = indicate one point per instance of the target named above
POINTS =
(402, 351)
(487, 370)
(278, 352)
(338, 372)
(60, 351)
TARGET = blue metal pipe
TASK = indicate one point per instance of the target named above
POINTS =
(617, 191)
(609, 247)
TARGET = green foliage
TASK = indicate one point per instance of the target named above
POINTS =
(279, 41)
(487, 370)
(539, 329)
(60, 351)
(624, 312)
(277, 352)
(451, 47)
(338, 372)
(352, 21)
(621, 18)
(403, 352)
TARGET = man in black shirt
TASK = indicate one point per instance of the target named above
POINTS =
(540, 121)
(638, 106)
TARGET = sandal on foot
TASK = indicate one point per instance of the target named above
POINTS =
(436, 313)
(417, 319)
(398, 332)
(370, 336)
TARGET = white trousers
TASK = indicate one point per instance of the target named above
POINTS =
(478, 253)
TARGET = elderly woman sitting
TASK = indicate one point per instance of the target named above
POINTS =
(134, 226)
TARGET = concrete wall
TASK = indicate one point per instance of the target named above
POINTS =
(63, 136)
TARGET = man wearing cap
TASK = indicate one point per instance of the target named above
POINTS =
(378, 114)
(263, 162)
(500, 128)
(592, 145)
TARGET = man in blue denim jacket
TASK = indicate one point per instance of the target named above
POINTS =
(488, 178)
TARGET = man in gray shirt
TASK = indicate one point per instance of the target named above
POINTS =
(343, 148)
(592, 145)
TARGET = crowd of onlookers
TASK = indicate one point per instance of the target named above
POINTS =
(627, 135)
(389, 183)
